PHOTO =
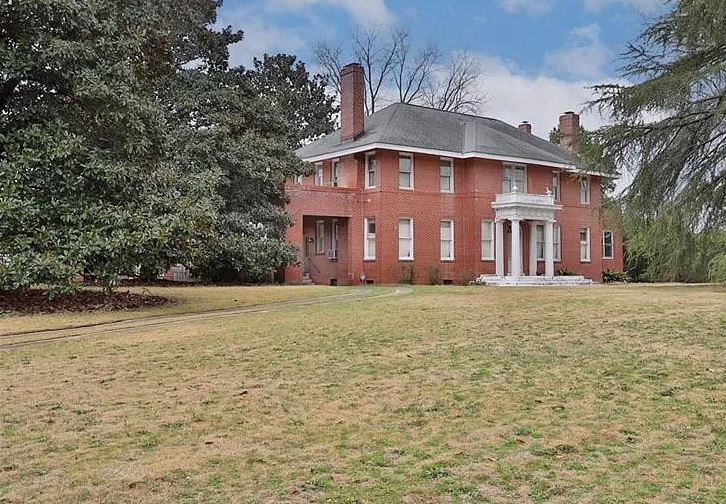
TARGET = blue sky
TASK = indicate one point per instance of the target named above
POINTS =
(538, 56)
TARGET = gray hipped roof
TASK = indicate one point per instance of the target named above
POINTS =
(461, 135)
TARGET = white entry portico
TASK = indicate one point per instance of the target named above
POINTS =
(536, 209)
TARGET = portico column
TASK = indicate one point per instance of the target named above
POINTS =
(549, 249)
(499, 248)
(516, 250)
(532, 248)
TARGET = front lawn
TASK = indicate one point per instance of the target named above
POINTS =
(606, 394)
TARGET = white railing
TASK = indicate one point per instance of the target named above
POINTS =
(519, 198)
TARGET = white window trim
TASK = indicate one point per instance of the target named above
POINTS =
(537, 228)
(409, 156)
(491, 238)
(612, 244)
(375, 171)
(586, 194)
(319, 174)
(366, 252)
(513, 167)
(557, 186)
(587, 257)
(451, 177)
(410, 221)
(334, 234)
(451, 257)
(334, 172)
(319, 236)
(557, 243)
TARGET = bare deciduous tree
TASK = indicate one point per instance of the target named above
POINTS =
(453, 87)
(412, 73)
(396, 71)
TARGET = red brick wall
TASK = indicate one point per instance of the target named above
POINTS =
(476, 182)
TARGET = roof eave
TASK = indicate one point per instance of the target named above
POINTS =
(442, 153)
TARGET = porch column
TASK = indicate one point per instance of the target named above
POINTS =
(499, 248)
(532, 248)
(549, 252)
(516, 250)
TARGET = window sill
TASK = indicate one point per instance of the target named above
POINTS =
(369, 259)
(447, 259)
(406, 259)
(406, 188)
(488, 259)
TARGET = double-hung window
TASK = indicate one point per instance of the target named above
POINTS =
(487, 240)
(334, 238)
(369, 243)
(320, 237)
(371, 170)
(405, 171)
(446, 177)
(319, 174)
(556, 186)
(405, 238)
(585, 190)
(514, 176)
(539, 241)
(334, 173)
(447, 240)
(557, 252)
(607, 244)
(585, 245)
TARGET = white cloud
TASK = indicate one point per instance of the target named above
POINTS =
(367, 13)
(515, 97)
(260, 37)
(532, 7)
(643, 6)
(585, 56)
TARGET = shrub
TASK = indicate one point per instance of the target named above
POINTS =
(614, 275)
(434, 275)
(717, 268)
(565, 272)
(466, 276)
(408, 274)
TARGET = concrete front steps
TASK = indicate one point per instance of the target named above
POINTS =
(529, 281)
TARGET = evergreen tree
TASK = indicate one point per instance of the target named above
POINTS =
(115, 155)
(670, 131)
(671, 125)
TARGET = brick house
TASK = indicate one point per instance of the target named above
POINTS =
(411, 191)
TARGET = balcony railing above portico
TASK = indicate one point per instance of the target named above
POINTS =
(525, 199)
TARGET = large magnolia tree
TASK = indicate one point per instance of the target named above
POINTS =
(115, 155)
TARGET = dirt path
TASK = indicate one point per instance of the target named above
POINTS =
(21, 339)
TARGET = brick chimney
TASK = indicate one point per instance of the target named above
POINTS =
(525, 126)
(352, 96)
(570, 131)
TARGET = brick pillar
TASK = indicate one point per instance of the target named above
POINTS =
(525, 127)
(570, 131)
(352, 96)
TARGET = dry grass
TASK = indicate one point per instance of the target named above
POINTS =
(600, 395)
(189, 299)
